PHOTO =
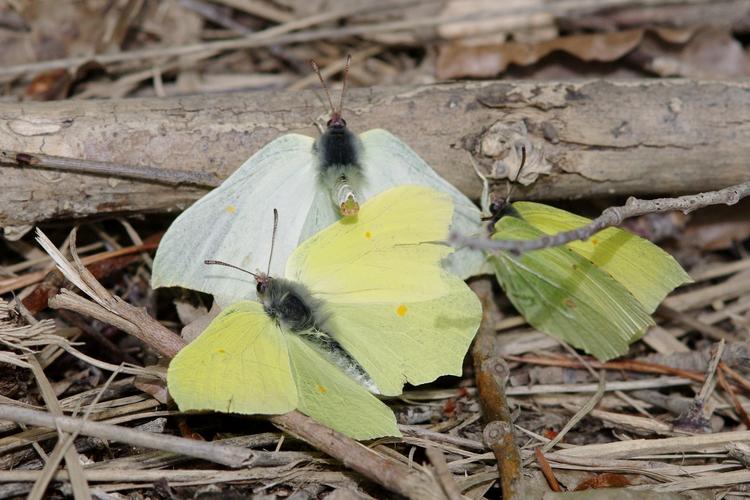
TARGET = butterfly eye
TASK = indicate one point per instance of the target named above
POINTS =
(495, 207)
(261, 288)
(328, 123)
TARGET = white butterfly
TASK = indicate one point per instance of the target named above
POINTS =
(312, 183)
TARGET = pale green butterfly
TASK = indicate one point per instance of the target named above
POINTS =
(312, 183)
(597, 294)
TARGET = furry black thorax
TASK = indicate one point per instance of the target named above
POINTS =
(338, 147)
(291, 305)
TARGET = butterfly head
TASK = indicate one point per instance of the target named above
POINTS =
(262, 283)
(499, 208)
(336, 124)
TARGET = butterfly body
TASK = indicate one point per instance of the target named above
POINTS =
(291, 305)
(339, 161)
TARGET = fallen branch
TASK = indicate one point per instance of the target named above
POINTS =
(108, 169)
(572, 126)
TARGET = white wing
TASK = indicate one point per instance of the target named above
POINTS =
(234, 222)
(388, 162)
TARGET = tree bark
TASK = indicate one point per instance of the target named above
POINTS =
(647, 137)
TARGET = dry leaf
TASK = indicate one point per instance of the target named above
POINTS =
(606, 480)
(711, 53)
(457, 60)
(49, 86)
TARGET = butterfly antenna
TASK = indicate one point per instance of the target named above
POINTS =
(316, 69)
(510, 183)
(343, 85)
(273, 238)
(221, 263)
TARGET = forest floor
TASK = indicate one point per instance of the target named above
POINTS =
(670, 417)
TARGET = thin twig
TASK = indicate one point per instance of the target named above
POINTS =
(585, 410)
(696, 416)
(444, 476)
(612, 216)
(549, 475)
(386, 472)
(10, 284)
(644, 447)
(110, 169)
(231, 456)
(741, 413)
(63, 447)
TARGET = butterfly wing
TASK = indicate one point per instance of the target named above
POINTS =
(388, 162)
(567, 296)
(333, 399)
(234, 223)
(646, 270)
(412, 341)
(239, 364)
(390, 251)
(392, 306)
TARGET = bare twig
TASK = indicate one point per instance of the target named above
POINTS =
(386, 472)
(687, 320)
(741, 413)
(549, 475)
(645, 447)
(63, 447)
(585, 410)
(231, 456)
(612, 216)
(10, 284)
(696, 417)
(444, 476)
(141, 173)
(491, 375)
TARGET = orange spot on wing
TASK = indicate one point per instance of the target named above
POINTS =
(321, 389)
(231, 209)
(221, 351)
(569, 303)
(402, 310)
(368, 235)
(594, 241)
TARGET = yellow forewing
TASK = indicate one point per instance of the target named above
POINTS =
(646, 270)
(405, 340)
(333, 399)
(388, 252)
(239, 364)
(562, 293)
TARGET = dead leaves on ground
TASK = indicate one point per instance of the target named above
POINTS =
(692, 52)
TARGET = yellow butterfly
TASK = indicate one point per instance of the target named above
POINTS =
(364, 304)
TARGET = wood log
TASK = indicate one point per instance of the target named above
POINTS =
(648, 137)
